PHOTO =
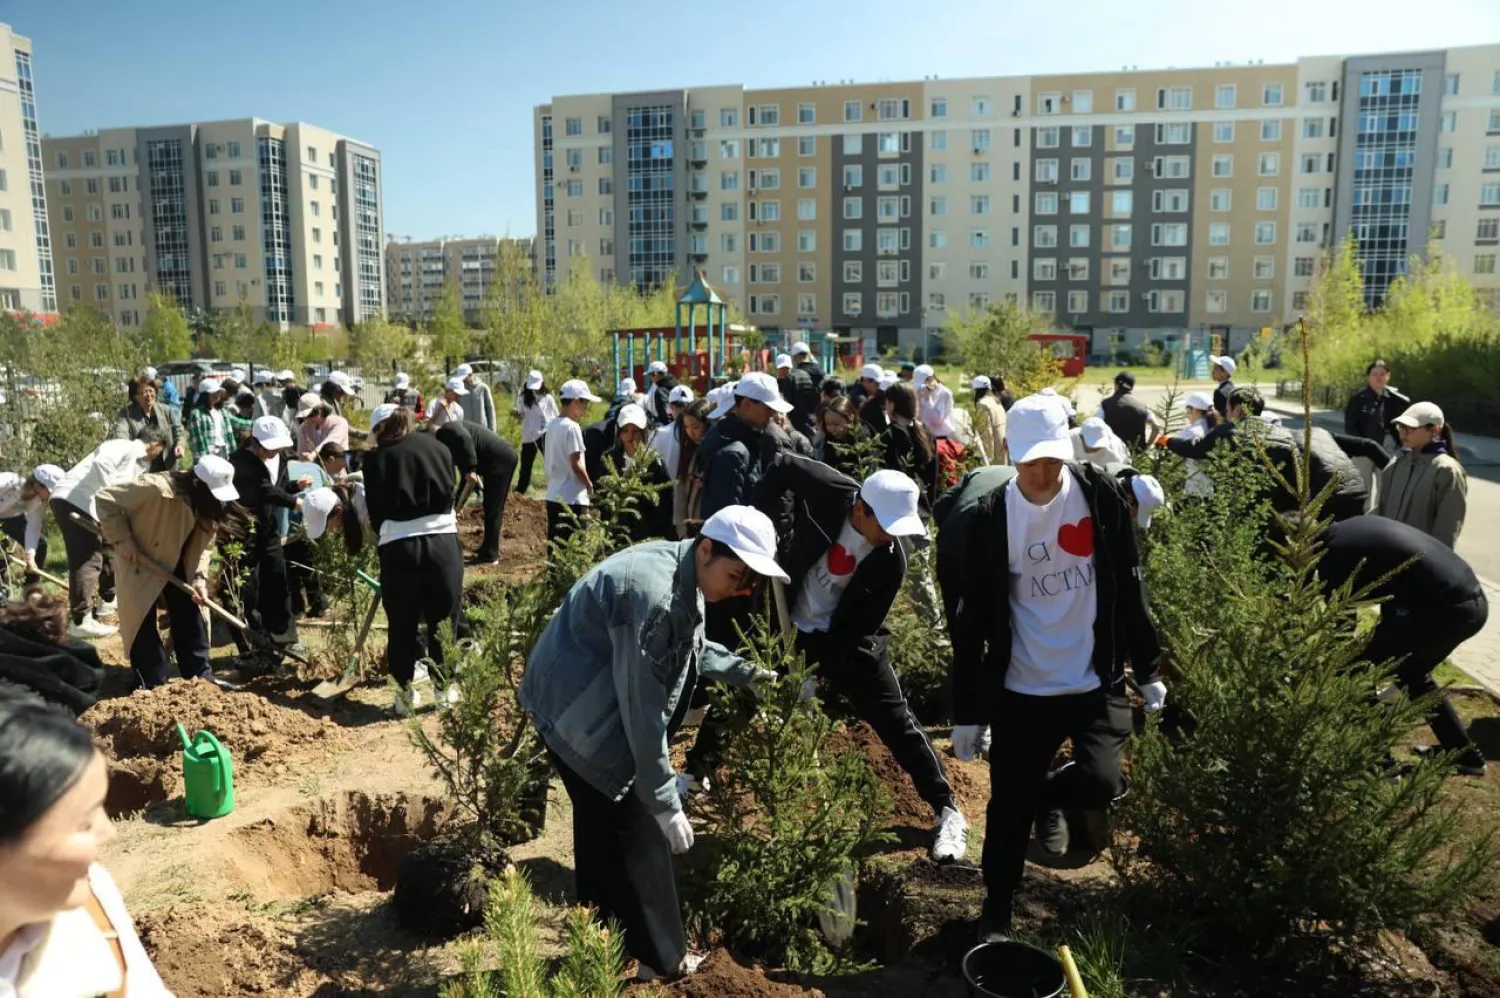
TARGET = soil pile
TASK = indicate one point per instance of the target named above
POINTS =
(721, 977)
(523, 533)
(909, 809)
(139, 735)
(210, 951)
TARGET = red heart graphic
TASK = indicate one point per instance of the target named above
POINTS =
(840, 561)
(1077, 538)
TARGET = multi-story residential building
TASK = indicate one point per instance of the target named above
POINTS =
(26, 272)
(417, 272)
(1132, 205)
(285, 218)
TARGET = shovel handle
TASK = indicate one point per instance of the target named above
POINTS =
(41, 574)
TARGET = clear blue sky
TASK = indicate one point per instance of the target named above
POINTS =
(445, 88)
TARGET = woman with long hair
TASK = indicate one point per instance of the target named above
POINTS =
(839, 429)
(688, 429)
(37, 655)
(909, 447)
(535, 408)
(1426, 486)
(409, 494)
(167, 523)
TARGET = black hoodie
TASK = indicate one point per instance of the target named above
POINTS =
(67, 674)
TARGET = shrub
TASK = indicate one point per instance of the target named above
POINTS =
(919, 648)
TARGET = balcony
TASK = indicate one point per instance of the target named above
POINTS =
(698, 256)
(698, 193)
(698, 160)
(698, 225)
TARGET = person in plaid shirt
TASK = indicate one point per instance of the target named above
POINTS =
(207, 424)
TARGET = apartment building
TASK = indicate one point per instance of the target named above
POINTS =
(286, 218)
(26, 273)
(1133, 205)
(417, 272)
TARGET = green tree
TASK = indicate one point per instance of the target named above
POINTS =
(375, 343)
(998, 340)
(448, 334)
(166, 334)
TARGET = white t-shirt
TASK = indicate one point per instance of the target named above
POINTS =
(1052, 598)
(664, 441)
(825, 584)
(564, 439)
(1198, 483)
(534, 419)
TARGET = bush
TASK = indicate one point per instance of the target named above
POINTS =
(920, 651)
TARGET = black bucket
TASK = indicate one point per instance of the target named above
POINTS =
(1013, 970)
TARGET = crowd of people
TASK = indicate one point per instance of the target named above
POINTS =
(790, 494)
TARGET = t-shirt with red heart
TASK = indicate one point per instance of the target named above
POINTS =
(1053, 602)
(826, 582)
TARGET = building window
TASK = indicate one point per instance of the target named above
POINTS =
(853, 303)
(1440, 194)
(236, 177)
(1083, 136)
(1174, 98)
(1488, 230)
(1044, 236)
(1046, 203)
(1317, 93)
(1218, 234)
(1307, 232)
(1044, 301)
(571, 126)
(807, 177)
(1124, 100)
(1268, 164)
(1048, 138)
(1270, 95)
(1484, 263)
(937, 141)
(1224, 95)
(854, 208)
(236, 206)
(1044, 269)
(1123, 169)
(1124, 137)
(1080, 169)
(1312, 163)
(1169, 201)
(1218, 268)
(1078, 236)
(1121, 202)
(1078, 203)
(937, 239)
(853, 110)
(1312, 128)
(979, 204)
(1216, 302)
(1175, 167)
(1119, 237)
(1169, 234)
(854, 240)
(980, 107)
(1265, 199)
(937, 107)
(1304, 266)
(1264, 268)
(1177, 133)
(1260, 301)
(1270, 131)
(1489, 195)
(1083, 102)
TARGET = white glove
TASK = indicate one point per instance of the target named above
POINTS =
(677, 829)
(759, 680)
(809, 690)
(966, 740)
(1155, 694)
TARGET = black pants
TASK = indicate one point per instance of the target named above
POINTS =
(560, 525)
(623, 867)
(1422, 639)
(496, 484)
(189, 639)
(14, 527)
(528, 458)
(90, 573)
(1027, 731)
(302, 576)
(723, 621)
(421, 581)
(268, 596)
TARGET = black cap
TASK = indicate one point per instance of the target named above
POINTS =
(907, 365)
(1125, 380)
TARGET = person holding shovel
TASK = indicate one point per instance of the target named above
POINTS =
(608, 684)
(164, 525)
(484, 459)
(23, 512)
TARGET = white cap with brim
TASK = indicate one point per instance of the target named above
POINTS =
(893, 497)
(887, 379)
(238, 374)
(922, 373)
(980, 381)
(209, 386)
(316, 507)
(285, 374)
(631, 414)
(1149, 497)
(271, 433)
(723, 400)
(680, 395)
(342, 382)
(871, 371)
(1093, 431)
(48, 475)
(463, 370)
(1227, 363)
(403, 380)
(307, 403)
(1420, 414)
(576, 389)
(456, 385)
(534, 380)
(761, 387)
(218, 475)
(149, 373)
(747, 532)
(381, 413)
(657, 367)
(1036, 428)
(1201, 401)
(783, 361)
(800, 347)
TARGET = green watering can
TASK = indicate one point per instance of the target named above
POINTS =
(208, 775)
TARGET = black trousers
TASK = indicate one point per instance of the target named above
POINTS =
(268, 596)
(560, 526)
(1027, 731)
(189, 639)
(623, 867)
(14, 527)
(90, 573)
(1422, 639)
(723, 621)
(496, 485)
(421, 581)
(528, 458)
(299, 553)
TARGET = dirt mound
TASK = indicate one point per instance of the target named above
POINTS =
(210, 951)
(139, 735)
(721, 977)
(523, 534)
(970, 785)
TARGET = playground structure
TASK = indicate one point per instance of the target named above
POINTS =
(704, 349)
(1070, 349)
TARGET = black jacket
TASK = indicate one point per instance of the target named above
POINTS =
(799, 389)
(1280, 447)
(902, 454)
(654, 521)
(262, 497)
(872, 414)
(408, 479)
(70, 674)
(731, 459)
(1222, 392)
(598, 438)
(475, 448)
(952, 513)
(1375, 546)
(1373, 416)
(982, 618)
(1328, 461)
(659, 393)
(1127, 416)
(821, 501)
(814, 372)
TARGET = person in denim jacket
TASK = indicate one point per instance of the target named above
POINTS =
(606, 686)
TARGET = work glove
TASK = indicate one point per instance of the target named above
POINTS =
(677, 829)
(1155, 694)
(760, 682)
(966, 740)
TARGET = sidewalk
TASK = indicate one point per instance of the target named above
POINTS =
(1480, 655)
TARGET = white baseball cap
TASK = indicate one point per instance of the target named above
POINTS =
(1051, 395)
(238, 374)
(892, 496)
(1149, 497)
(761, 387)
(631, 414)
(800, 347)
(262, 378)
(747, 532)
(317, 504)
(271, 433)
(380, 413)
(1420, 414)
(680, 395)
(307, 403)
(723, 399)
(210, 385)
(921, 374)
(342, 382)
(1198, 400)
(783, 360)
(1093, 431)
(149, 373)
(625, 387)
(218, 475)
(456, 385)
(887, 379)
(463, 370)
(48, 475)
(1037, 427)
(1227, 363)
(403, 380)
(871, 371)
(285, 374)
(533, 380)
(657, 367)
(980, 381)
(576, 389)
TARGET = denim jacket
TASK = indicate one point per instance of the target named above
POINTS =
(607, 675)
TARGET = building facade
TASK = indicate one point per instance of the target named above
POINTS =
(284, 218)
(417, 272)
(1132, 205)
(27, 278)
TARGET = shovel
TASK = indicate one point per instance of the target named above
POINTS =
(354, 673)
(40, 574)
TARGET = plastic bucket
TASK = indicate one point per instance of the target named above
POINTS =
(1013, 970)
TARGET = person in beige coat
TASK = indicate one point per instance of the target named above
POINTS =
(989, 419)
(1425, 486)
(169, 521)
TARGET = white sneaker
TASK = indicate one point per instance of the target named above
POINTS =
(419, 673)
(407, 702)
(109, 606)
(687, 784)
(449, 697)
(951, 837)
(690, 964)
(91, 629)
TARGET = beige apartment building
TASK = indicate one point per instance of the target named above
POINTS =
(26, 265)
(417, 272)
(286, 218)
(1133, 205)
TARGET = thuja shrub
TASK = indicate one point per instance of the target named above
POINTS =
(786, 824)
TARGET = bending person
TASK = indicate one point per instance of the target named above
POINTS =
(486, 459)
(23, 512)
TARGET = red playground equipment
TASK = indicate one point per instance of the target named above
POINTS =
(1068, 348)
(698, 350)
